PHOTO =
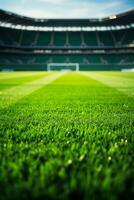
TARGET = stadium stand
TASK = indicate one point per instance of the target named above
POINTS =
(95, 44)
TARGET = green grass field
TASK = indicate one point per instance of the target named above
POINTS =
(67, 135)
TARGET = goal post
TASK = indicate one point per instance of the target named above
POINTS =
(62, 66)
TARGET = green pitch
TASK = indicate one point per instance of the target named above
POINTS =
(66, 135)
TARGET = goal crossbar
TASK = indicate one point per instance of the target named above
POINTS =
(50, 65)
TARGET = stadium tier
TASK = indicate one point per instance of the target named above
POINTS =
(95, 44)
(24, 38)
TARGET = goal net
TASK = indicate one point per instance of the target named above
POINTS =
(62, 66)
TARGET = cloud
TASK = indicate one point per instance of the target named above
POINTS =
(67, 8)
(84, 10)
(53, 1)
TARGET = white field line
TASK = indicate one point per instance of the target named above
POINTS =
(11, 75)
(122, 84)
(9, 96)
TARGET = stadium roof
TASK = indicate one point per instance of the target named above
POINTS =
(126, 18)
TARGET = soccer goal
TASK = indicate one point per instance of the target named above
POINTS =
(62, 66)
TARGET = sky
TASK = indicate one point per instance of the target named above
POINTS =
(67, 8)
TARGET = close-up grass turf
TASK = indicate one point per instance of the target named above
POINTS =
(68, 136)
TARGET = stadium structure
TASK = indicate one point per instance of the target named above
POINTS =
(63, 44)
